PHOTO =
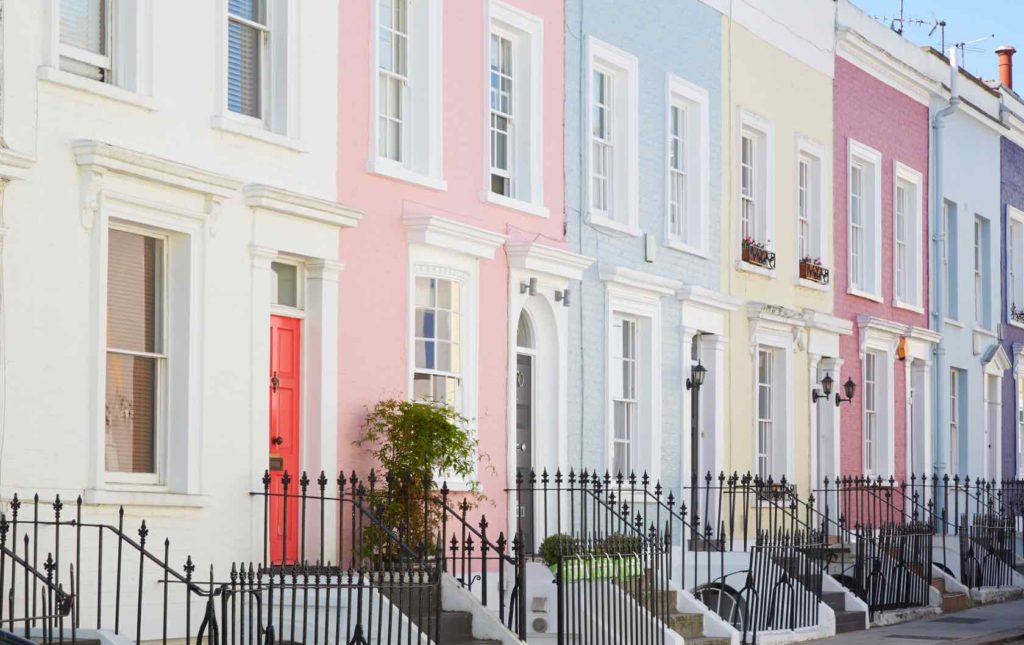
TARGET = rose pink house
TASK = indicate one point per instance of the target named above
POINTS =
(456, 286)
(881, 282)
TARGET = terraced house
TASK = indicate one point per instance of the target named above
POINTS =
(695, 322)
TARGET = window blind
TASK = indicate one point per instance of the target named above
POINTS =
(247, 27)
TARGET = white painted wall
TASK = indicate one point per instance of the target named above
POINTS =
(240, 197)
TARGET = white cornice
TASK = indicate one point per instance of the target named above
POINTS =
(453, 236)
(539, 258)
(855, 48)
(707, 298)
(637, 280)
(828, 323)
(776, 314)
(996, 360)
(895, 329)
(104, 156)
(268, 198)
(13, 164)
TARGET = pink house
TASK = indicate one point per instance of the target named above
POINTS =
(881, 281)
(456, 288)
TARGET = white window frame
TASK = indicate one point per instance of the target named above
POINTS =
(762, 132)
(694, 101)
(423, 163)
(102, 61)
(882, 346)
(1014, 263)
(427, 272)
(622, 68)
(951, 259)
(161, 357)
(1018, 389)
(812, 153)
(278, 122)
(915, 238)
(129, 52)
(637, 401)
(982, 271)
(956, 379)
(637, 295)
(869, 160)
(762, 454)
(778, 338)
(526, 33)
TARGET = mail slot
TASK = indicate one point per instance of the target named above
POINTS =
(276, 462)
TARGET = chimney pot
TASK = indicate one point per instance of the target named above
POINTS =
(1005, 54)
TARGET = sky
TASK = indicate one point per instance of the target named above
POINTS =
(966, 20)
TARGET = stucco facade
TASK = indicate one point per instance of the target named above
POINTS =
(1012, 198)
(440, 222)
(869, 112)
(645, 273)
(786, 335)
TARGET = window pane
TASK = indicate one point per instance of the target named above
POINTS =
(83, 24)
(134, 292)
(285, 287)
(244, 69)
(130, 414)
(253, 10)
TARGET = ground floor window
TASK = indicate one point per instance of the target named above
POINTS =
(625, 401)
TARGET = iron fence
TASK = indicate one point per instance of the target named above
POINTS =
(987, 551)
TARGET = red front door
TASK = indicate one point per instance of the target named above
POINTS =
(285, 350)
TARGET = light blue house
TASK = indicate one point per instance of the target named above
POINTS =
(966, 284)
(643, 157)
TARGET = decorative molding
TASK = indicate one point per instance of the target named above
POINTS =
(708, 298)
(996, 361)
(638, 281)
(440, 271)
(540, 258)
(866, 54)
(261, 197)
(13, 164)
(452, 235)
(820, 321)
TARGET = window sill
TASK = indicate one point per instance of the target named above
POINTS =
(611, 226)
(227, 123)
(907, 306)
(985, 332)
(747, 267)
(515, 204)
(126, 495)
(953, 322)
(1013, 323)
(393, 170)
(96, 88)
(864, 294)
(682, 247)
(815, 286)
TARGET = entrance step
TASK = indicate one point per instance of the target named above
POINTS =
(846, 621)
(951, 600)
(689, 625)
(454, 627)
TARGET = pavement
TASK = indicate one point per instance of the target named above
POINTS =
(988, 624)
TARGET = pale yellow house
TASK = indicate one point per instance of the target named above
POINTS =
(776, 241)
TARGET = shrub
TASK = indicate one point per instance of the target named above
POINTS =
(621, 544)
(556, 545)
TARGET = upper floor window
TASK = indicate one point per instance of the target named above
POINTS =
(407, 104)
(437, 374)
(687, 170)
(756, 175)
(864, 212)
(810, 228)
(981, 273)
(952, 260)
(1015, 265)
(85, 39)
(613, 143)
(515, 119)
(257, 65)
(907, 227)
(136, 360)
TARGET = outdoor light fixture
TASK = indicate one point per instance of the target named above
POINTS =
(825, 391)
(562, 295)
(696, 379)
(849, 387)
(529, 287)
(901, 349)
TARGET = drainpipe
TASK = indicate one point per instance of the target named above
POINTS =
(938, 225)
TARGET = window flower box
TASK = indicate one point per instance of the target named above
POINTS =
(1016, 315)
(755, 253)
(812, 269)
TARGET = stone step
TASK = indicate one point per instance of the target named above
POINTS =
(849, 621)
(707, 640)
(687, 625)
(834, 599)
(940, 584)
(955, 601)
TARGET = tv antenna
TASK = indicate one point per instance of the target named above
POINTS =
(900, 22)
(970, 46)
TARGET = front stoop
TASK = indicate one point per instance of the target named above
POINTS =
(846, 621)
(951, 600)
(688, 625)
(454, 628)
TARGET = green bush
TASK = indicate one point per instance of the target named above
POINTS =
(557, 545)
(621, 544)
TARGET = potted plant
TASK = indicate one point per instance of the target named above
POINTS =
(415, 443)
(813, 269)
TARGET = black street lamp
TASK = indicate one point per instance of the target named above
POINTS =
(696, 379)
(849, 388)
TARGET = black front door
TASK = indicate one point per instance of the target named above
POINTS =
(524, 444)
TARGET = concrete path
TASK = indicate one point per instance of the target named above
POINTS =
(996, 623)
